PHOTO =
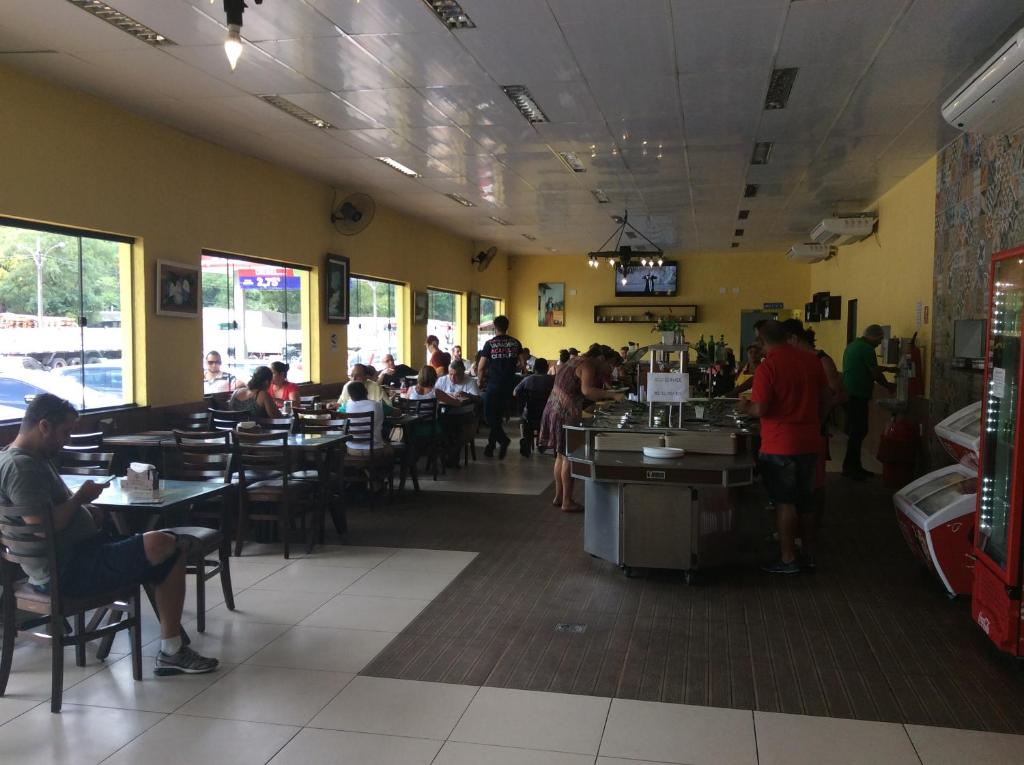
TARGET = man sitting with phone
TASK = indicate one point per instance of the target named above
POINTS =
(90, 560)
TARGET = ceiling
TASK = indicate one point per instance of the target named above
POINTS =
(662, 100)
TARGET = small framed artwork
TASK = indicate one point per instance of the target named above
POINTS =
(336, 280)
(473, 314)
(551, 304)
(420, 306)
(178, 289)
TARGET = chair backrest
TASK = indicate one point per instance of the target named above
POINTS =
(85, 442)
(29, 544)
(360, 426)
(308, 400)
(86, 463)
(201, 456)
(423, 407)
(261, 453)
(190, 421)
(323, 426)
(274, 424)
(227, 419)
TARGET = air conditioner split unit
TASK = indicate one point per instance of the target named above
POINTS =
(836, 232)
(991, 101)
(810, 253)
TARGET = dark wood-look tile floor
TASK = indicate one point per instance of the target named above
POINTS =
(870, 636)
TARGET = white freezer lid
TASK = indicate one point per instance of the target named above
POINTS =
(966, 421)
(939, 496)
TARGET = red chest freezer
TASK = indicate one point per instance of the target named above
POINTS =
(959, 434)
(936, 516)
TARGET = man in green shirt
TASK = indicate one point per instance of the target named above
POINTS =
(860, 373)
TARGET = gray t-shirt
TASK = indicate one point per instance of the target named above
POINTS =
(26, 480)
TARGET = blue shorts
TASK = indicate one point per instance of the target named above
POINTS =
(101, 564)
(789, 478)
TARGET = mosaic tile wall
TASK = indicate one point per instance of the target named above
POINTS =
(979, 210)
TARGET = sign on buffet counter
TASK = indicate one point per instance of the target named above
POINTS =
(668, 387)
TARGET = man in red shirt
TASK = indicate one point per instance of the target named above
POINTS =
(790, 395)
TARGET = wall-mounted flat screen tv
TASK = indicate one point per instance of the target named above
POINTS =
(648, 281)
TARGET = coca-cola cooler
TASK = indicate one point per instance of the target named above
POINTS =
(936, 516)
(960, 432)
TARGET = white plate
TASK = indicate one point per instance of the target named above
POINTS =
(663, 452)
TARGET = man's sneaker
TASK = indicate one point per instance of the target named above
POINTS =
(184, 662)
(781, 567)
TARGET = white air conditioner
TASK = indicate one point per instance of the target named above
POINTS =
(836, 232)
(810, 253)
(991, 101)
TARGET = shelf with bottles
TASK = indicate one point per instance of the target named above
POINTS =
(622, 313)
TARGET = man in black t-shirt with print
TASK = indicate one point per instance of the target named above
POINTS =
(501, 359)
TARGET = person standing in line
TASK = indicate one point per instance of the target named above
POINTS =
(500, 359)
(860, 373)
(791, 397)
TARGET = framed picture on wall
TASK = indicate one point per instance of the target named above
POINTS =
(551, 304)
(473, 312)
(178, 289)
(420, 306)
(336, 289)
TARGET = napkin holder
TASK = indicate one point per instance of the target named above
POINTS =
(141, 479)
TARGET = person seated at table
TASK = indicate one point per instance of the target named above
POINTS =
(532, 394)
(215, 379)
(456, 387)
(393, 374)
(358, 374)
(457, 354)
(424, 388)
(280, 388)
(255, 397)
(91, 561)
(371, 372)
(358, 403)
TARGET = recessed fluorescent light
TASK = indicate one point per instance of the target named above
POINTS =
(762, 151)
(744, 214)
(524, 102)
(460, 199)
(571, 161)
(450, 14)
(601, 196)
(750, 190)
(298, 112)
(780, 87)
(735, 244)
(502, 221)
(738, 232)
(125, 23)
(552, 249)
(531, 237)
(394, 165)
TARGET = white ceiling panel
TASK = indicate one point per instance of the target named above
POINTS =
(275, 20)
(377, 142)
(816, 29)
(516, 136)
(722, 108)
(728, 35)
(425, 62)
(381, 17)
(58, 25)
(473, 105)
(150, 69)
(257, 72)
(178, 20)
(336, 63)
(397, 107)
(953, 32)
(334, 109)
(441, 141)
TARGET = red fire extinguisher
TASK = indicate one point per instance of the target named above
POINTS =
(897, 451)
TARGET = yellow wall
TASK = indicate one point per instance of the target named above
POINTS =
(888, 274)
(758, 277)
(71, 159)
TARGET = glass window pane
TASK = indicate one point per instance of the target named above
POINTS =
(373, 322)
(489, 308)
(106, 267)
(442, 318)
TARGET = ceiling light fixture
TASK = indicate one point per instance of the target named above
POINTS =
(592, 261)
(762, 152)
(297, 112)
(531, 237)
(738, 232)
(621, 256)
(450, 14)
(460, 199)
(498, 220)
(734, 245)
(571, 161)
(233, 10)
(780, 88)
(601, 196)
(530, 109)
(395, 165)
(122, 21)
(744, 214)
(750, 190)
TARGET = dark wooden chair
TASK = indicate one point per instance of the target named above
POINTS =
(85, 442)
(427, 437)
(268, 452)
(227, 419)
(365, 460)
(307, 402)
(276, 424)
(86, 463)
(189, 421)
(206, 456)
(336, 425)
(32, 543)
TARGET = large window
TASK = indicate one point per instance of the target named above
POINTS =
(255, 313)
(373, 321)
(489, 308)
(443, 317)
(65, 302)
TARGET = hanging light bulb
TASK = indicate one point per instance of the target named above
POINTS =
(661, 262)
(233, 45)
(623, 281)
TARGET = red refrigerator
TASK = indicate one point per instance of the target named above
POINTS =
(996, 603)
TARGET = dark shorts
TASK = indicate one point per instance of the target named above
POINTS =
(102, 563)
(789, 478)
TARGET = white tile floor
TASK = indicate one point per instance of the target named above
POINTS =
(289, 692)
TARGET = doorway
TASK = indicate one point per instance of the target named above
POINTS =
(851, 320)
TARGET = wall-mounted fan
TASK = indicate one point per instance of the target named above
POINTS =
(483, 259)
(353, 214)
